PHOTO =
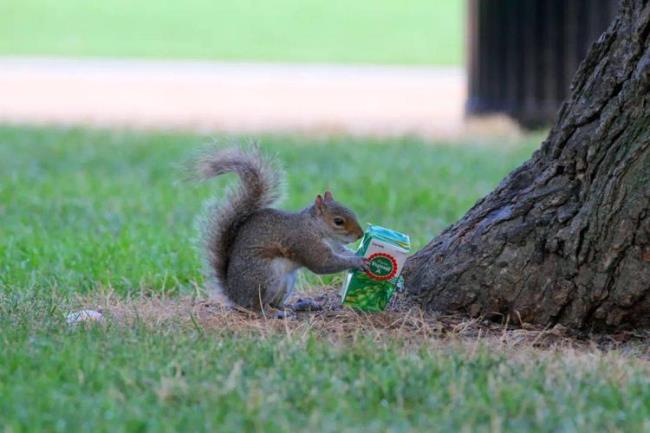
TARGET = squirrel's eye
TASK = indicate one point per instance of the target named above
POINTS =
(339, 221)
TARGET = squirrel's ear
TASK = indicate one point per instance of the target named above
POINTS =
(328, 196)
(319, 202)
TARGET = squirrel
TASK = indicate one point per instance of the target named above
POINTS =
(253, 250)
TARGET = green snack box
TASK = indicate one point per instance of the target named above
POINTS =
(387, 251)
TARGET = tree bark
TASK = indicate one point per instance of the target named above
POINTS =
(565, 238)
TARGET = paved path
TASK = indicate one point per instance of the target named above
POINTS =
(248, 98)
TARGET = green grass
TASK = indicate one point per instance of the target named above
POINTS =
(82, 210)
(88, 209)
(339, 31)
(138, 379)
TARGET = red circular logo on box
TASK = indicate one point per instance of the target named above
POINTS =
(382, 266)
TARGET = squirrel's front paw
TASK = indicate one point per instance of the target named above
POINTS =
(362, 264)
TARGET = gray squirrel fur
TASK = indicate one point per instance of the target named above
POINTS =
(253, 250)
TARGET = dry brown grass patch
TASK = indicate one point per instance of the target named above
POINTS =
(403, 323)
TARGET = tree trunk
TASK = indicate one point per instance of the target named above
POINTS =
(565, 238)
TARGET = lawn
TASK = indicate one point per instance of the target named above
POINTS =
(86, 209)
(419, 32)
(88, 214)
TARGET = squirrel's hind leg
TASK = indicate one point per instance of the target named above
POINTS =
(249, 289)
(282, 289)
(264, 283)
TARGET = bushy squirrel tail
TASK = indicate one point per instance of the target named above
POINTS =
(260, 186)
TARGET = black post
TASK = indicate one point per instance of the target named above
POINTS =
(522, 54)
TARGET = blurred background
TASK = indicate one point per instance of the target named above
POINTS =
(409, 110)
(380, 67)
(236, 66)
